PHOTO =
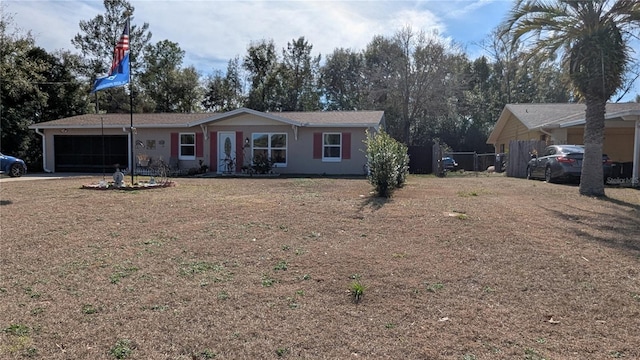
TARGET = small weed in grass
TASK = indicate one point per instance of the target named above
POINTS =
(306, 277)
(122, 349)
(355, 276)
(434, 287)
(467, 193)
(281, 265)
(196, 267)
(199, 267)
(357, 291)
(300, 292)
(223, 295)
(121, 273)
(462, 216)
(37, 311)
(489, 289)
(207, 354)
(531, 354)
(293, 304)
(16, 330)
(635, 296)
(390, 325)
(32, 294)
(286, 248)
(268, 281)
(89, 309)
(468, 357)
(616, 354)
(282, 351)
(541, 340)
(159, 308)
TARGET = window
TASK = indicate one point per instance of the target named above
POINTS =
(331, 146)
(271, 145)
(187, 146)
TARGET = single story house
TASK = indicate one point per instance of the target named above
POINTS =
(564, 124)
(330, 143)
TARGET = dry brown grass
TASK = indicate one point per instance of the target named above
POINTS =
(481, 267)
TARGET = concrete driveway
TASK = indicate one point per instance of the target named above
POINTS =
(44, 176)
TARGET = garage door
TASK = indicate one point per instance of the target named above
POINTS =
(85, 154)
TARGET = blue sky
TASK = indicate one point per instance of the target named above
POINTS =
(211, 32)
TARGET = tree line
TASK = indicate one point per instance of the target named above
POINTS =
(429, 88)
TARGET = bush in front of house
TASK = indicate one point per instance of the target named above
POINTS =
(387, 163)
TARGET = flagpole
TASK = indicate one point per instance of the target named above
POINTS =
(133, 162)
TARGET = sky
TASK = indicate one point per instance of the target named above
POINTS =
(211, 32)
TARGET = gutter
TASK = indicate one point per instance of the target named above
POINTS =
(44, 151)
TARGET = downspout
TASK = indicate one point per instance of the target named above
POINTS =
(636, 156)
(44, 151)
(548, 134)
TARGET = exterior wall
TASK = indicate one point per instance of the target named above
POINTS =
(299, 151)
(618, 142)
(156, 144)
(559, 136)
(515, 130)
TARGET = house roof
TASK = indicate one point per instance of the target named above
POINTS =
(165, 120)
(548, 116)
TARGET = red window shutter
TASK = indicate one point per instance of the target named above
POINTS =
(239, 151)
(199, 144)
(317, 145)
(213, 150)
(346, 145)
(174, 145)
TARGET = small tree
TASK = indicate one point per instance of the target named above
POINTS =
(387, 163)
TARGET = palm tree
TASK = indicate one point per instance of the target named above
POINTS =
(591, 37)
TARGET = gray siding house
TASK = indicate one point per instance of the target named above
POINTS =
(328, 143)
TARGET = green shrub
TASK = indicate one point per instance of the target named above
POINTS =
(387, 163)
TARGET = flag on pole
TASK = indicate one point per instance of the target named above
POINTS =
(119, 73)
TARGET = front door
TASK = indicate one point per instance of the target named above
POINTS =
(226, 152)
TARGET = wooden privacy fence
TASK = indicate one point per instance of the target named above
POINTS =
(519, 155)
(420, 159)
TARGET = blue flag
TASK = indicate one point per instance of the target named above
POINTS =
(117, 78)
(119, 73)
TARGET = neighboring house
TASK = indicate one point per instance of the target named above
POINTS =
(564, 124)
(328, 143)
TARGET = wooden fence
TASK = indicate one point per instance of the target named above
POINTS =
(519, 155)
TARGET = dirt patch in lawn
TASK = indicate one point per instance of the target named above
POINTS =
(483, 267)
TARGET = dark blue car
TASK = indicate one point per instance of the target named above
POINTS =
(11, 165)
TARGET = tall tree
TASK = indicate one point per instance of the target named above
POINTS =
(20, 97)
(224, 92)
(342, 80)
(36, 86)
(592, 38)
(261, 64)
(169, 87)
(300, 76)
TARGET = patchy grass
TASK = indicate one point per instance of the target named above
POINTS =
(265, 268)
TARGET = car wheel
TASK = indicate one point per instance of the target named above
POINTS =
(547, 175)
(16, 170)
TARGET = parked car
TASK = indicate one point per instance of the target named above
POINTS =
(562, 163)
(449, 163)
(11, 165)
